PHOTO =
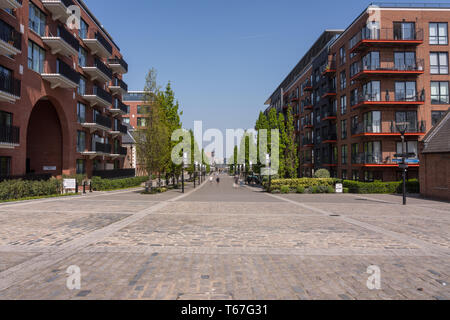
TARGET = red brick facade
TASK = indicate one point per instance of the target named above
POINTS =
(316, 94)
(45, 110)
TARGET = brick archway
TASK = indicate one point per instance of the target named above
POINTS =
(45, 139)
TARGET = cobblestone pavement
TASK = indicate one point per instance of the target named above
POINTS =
(217, 242)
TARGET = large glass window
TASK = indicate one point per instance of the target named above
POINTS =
(5, 166)
(36, 20)
(344, 129)
(342, 55)
(371, 61)
(81, 141)
(405, 91)
(344, 104)
(141, 122)
(408, 117)
(439, 92)
(143, 109)
(372, 91)
(82, 86)
(343, 79)
(404, 31)
(411, 147)
(436, 116)
(81, 112)
(81, 166)
(82, 57)
(405, 61)
(439, 62)
(372, 122)
(344, 154)
(5, 119)
(36, 57)
(372, 151)
(439, 33)
(83, 32)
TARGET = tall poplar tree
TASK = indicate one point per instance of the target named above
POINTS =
(291, 156)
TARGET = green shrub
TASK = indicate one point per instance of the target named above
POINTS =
(380, 187)
(322, 174)
(285, 189)
(18, 189)
(99, 184)
(300, 189)
(331, 190)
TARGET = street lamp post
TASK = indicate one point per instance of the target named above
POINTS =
(182, 169)
(269, 165)
(402, 127)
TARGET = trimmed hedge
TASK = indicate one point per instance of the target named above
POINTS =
(302, 182)
(18, 189)
(99, 184)
(412, 186)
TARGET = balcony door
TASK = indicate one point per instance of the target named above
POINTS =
(405, 61)
(405, 91)
(372, 151)
(404, 31)
(372, 122)
(371, 61)
(372, 91)
(408, 117)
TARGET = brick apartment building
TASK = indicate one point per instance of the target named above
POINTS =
(60, 91)
(137, 110)
(354, 86)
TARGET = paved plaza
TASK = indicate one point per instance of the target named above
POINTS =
(217, 242)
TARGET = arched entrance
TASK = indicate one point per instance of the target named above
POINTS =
(44, 140)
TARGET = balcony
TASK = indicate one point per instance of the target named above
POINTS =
(100, 123)
(388, 128)
(63, 76)
(307, 124)
(308, 86)
(330, 138)
(99, 71)
(118, 65)
(329, 115)
(9, 137)
(118, 129)
(119, 152)
(307, 104)
(328, 69)
(405, 99)
(10, 4)
(119, 108)
(99, 46)
(64, 43)
(118, 87)
(389, 68)
(329, 92)
(98, 149)
(58, 8)
(385, 37)
(10, 40)
(98, 97)
(9, 88)
(307, 143)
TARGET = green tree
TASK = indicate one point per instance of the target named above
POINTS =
(290, 153)
(282, 145)
(261, 124)
(153, 148)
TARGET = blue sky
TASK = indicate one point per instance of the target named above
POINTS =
(224, 58)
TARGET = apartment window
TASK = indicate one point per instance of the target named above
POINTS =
(36, 20)
(344, 154)
(355, 175)
(83, 32)
(5, 119)
(368, 176)
(5, 166)
(342, 55)
(344, 104)
(439, 62)
(81, 141)
(82, 57)
(344, 129)
(405, 61)
(36, 57)
(371, 61)
(344, 175)
(343, 78)
(81, 112)
(372, 122)
(372, 152)
(143, 109)
(439, 33)
(439, 92)
(354, 69)
(355, 152)
(81, 166)
(404, 31)
(82, 86)
(436, 116)
(408, 117)
(141, 122)
(372, 91)
(126, 120)
(411, 147)
(405, 91)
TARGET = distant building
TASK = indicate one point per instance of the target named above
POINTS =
(137, 109)
(435, 161)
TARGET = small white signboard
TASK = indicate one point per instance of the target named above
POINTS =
(339, 188)
(49, 168)
(70, 184)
